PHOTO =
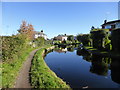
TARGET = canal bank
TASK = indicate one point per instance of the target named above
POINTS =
(41, 75)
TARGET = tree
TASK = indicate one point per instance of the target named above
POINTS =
(23, 28)
(70, 38)
(84, 38)
(100, 39)
(28, 30)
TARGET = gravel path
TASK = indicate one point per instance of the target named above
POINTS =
(22, 80)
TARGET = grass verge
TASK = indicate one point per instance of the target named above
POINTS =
(42, 76)
(10, 70)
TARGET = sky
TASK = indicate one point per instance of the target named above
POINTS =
(57, 17)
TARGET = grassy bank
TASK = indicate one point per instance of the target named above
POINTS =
(42, 76)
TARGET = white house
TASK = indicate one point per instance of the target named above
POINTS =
(61, 37)
(40, 34)
(111, 25)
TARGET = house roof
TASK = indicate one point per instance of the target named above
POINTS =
(61, 36)
(40, 33)
(110, 22)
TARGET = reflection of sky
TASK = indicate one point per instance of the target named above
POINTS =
(76, 71)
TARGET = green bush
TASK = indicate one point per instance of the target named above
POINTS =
(84, 38)
(15, 50)
(40, 41)
(12, 46)
(100, 39)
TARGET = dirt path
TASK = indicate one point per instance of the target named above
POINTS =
(23, 77)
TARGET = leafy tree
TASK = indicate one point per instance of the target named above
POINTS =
(28, 30)
(23, 28)
(100, 38)
(84, 38)
(39, 41)
(70, 38)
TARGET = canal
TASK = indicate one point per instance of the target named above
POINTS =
(80, 68)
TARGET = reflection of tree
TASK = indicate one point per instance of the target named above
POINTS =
(71, 49)
(66, 48)
(98, 65)
(62, 46)
(87, 58)
(115, 70)
(47, 51)
(86, 55)
(60, 50)
(81, 52)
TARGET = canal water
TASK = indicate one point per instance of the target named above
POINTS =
(80, 68)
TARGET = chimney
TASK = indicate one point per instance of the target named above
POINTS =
(105, 21)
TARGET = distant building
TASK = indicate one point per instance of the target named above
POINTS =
(111, 25)
(61, 37)
(40, 34)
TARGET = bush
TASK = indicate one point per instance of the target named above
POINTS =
(84, 38)
(12, 45)
(100, 38)
(40, 41)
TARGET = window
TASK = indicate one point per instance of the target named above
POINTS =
(112, 26)
(107, 27)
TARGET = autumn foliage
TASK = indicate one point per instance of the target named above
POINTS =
(27, 29)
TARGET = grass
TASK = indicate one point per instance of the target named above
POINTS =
(11, 69)
(42, 76)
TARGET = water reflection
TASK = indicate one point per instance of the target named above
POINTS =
(100, 64)
(82, 69)
(86, 55)
(64, 49)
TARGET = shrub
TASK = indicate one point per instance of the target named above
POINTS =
(13, 45)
